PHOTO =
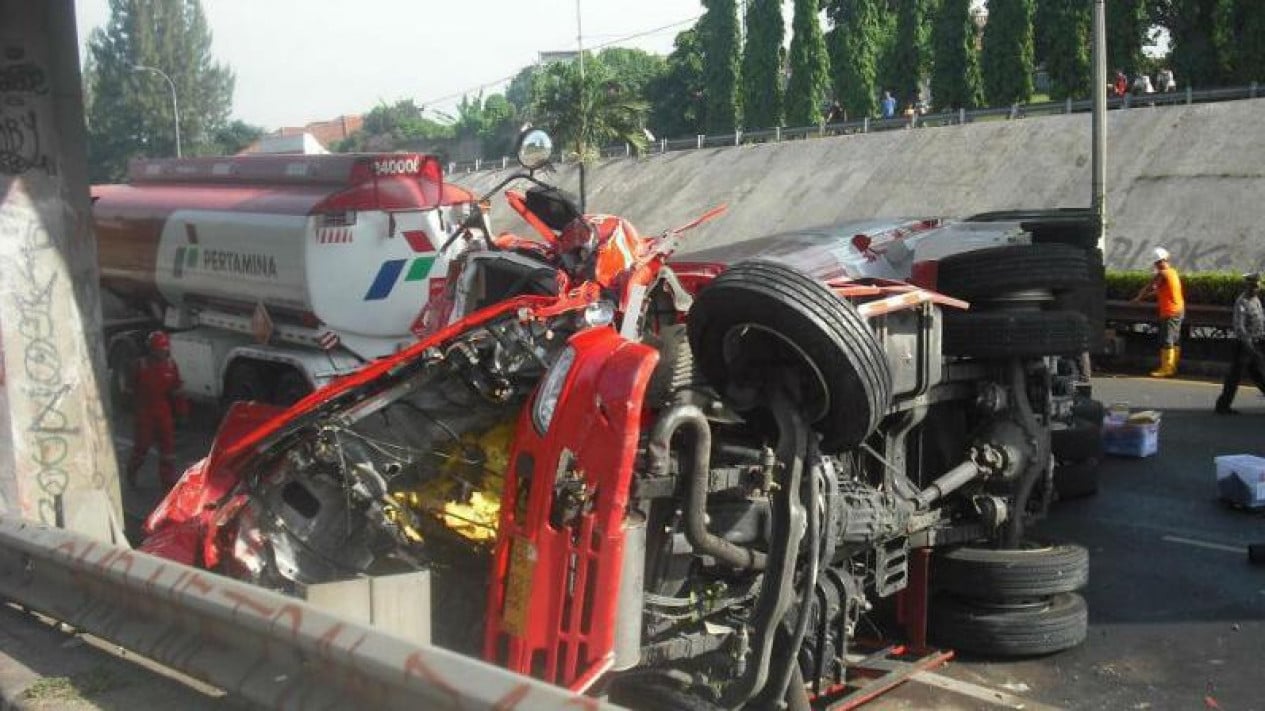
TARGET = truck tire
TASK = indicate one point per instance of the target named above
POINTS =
(761, 315)
(290, 387)
(986, 273)
(122, 359)
(650, 691)
(1081, 441)
(1076, 480)
(1036, 570)
(245, 381)
(1043, 627)
(1008, 334)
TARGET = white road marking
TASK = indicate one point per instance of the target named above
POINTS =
(1205, 544)
(983, 693)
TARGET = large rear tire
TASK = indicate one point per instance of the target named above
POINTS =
(762, 319)
(1043, 627)
(1036, 570)
(985, 273)
(1010, 334)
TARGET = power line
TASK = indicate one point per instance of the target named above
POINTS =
(603, 45)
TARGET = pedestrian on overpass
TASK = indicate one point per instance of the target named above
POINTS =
(1249, 331)
(1166, 287)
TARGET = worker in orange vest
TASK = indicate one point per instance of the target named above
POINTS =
(1166, 287)
(156, 384)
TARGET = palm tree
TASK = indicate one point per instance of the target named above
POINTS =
(584, 115)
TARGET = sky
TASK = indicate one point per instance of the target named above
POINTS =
(299, 61)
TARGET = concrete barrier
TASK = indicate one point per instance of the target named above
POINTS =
(1185, 177)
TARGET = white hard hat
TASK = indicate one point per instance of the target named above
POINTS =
(1161, 254)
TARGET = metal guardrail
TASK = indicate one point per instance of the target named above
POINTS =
(1197, 315)
(270, 649)
(869, 125)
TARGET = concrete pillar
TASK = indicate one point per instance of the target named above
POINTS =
(56, 440)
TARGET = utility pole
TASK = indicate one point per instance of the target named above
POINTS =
(579, 43)
(55, 444)
(1099, 148)
(175, 106)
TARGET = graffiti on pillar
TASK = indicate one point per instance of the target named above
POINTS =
(21, 149)
(47, 424)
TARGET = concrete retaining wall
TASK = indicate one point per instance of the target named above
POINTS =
(1190, 178)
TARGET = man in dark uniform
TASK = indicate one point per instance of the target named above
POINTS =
(1249, 330)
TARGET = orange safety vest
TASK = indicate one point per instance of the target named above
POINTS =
(1168, 293)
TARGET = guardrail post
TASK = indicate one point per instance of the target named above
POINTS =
(505, 161)
(865, 125)
(737, 137)
(663, 145)
(1124, 101)
(1067, 105)
(1252, 90)
(777, 134)
(452, 167)
(962, 116)
(1014, 111)
(700, 140)
(1190, 96)
(477, 163)
(627, 149)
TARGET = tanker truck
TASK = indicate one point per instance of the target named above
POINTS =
(272, 274)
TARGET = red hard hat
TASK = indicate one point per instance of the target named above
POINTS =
(159, 341)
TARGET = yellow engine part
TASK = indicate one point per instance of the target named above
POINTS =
(479, 460)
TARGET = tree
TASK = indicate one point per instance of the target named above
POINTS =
(810, 67)
(1249, 57)
(583, 115)
(955, 79)
(235, 137)
(1193, 30)
(130, 113)
(519, 91)
(398, 126)
(718, 37)
(1067, 59)
(1127, 26)
(1007, 59)
(633, 69)
(911, 55)
(859, 37)
(676, 95)
(762, 65)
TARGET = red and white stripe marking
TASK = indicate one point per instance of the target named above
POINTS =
(334, 235)
(328, 340)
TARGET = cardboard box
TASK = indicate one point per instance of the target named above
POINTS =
(1128, 439)
(1241, 479)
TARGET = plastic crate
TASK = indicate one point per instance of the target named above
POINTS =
(1241, 479)
(1125, 439)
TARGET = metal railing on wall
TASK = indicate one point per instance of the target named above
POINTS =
(871, 125)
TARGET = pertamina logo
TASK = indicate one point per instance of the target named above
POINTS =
(242, 264)
(390, 271)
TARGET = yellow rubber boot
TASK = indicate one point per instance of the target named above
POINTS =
(1177, 359)
(1168, 363)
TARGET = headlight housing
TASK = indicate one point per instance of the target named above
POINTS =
(551, 390)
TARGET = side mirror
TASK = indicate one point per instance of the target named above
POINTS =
(535, 148)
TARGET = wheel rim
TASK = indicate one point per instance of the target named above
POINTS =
(737, 346)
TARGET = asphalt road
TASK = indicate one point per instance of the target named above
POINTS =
(1177, 615)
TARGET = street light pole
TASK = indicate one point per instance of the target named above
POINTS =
(175, 106)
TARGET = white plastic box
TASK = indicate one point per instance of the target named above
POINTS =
(1127, 439)
(1241, 479)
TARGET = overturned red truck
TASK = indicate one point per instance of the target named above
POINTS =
(686, 484)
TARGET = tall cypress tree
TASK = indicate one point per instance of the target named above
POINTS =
(859, 33)
(762, 65)
(1249, 53)
(718, 36)
(1007, 58)
(130, 111)
(911, 57)
(810, 67)
(1068, 58)
(676, 96)
(1193, 29)
(955, 80)
(1127, 25)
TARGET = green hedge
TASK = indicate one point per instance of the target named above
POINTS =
(1209, 288)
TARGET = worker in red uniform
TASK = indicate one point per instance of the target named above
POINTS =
(1166, 287)
(156, 383)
